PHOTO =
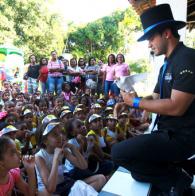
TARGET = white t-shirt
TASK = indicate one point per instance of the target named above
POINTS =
(72, 69)
(68, 166)
(48, 158)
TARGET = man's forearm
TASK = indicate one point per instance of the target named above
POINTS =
(160, 106)
(150, 97)
(153, 96)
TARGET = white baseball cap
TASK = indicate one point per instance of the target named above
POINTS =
(8, 129)
(93, 117)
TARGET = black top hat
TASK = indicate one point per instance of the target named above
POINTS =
(156, 18)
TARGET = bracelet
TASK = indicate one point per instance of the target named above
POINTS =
(136, 102)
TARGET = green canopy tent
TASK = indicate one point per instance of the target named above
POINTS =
(11, 63)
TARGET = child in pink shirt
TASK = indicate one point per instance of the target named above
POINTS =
(13, 178)
(66, 91)
(10, 173)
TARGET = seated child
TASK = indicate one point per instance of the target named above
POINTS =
(139, 119)
(66, 91)
(65, 116)
(97, 143)
(10, 131)
(6, 96)
(11, 118)
(10, 106)
(24, 136)
(49, 167)
(31, 126)
(58, 104)
(110, 131)
(9, 170)
(122, 126)
(76, 133)
(79, 114)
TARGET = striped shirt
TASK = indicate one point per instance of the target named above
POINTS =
(55, 65)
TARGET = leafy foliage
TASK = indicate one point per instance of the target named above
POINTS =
(104, 36)
(140, 66)
(190, 38)
(29, 25)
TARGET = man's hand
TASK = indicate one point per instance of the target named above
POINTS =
(128, 97)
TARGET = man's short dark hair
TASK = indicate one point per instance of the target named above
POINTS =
(173, 30)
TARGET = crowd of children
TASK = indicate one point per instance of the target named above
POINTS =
(49, 143)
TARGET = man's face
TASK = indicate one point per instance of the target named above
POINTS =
(158, 44)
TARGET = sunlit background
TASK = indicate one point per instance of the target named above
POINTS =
(87, 10)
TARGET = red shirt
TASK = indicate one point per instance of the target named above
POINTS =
(43, 73)
(14, 176)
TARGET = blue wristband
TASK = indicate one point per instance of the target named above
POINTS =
(136, 102)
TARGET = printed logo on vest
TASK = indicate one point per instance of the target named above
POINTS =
(168, 77)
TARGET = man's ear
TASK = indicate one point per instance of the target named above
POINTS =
(167, 33)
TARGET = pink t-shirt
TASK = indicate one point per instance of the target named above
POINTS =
(109, 72)
(67, 96)
(121, 70)
(14, 176)
(55, 65)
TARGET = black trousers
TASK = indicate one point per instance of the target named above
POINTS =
(154, 157)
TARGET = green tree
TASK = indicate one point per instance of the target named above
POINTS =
(6, 23)
(140, 66)
(101, 37)
(129, 27)
(31, 26)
